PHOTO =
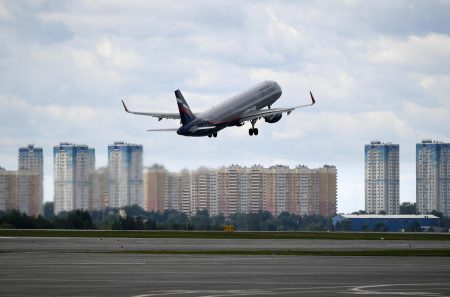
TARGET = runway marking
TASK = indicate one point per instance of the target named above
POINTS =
(241, 292)
(368, 290)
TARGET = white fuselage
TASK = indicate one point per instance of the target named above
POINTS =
(257, 97)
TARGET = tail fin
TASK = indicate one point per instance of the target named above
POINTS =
(186, 114)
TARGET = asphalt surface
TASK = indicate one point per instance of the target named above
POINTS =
(69, 244)
(86, 274)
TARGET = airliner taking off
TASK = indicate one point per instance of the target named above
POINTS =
(247, 106)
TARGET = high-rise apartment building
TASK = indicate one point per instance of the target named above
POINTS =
(99, 189)
(433, 176)
(154, 179)
(125, 167)
(21, 190)
(73, 166)
(204, 190)
(382, 177)
(31, 158)
(327, 176)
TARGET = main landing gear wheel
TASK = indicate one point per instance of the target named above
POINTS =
(215, 134)
(253, 131)
(209, 135)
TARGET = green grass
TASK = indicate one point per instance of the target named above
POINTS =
(226, 235)
(347, 253)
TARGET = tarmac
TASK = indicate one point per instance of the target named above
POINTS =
(69, 244)
(61, 267)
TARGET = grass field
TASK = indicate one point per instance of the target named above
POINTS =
(357, 253)
(225, 235)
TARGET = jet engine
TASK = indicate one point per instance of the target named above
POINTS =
(273, 118)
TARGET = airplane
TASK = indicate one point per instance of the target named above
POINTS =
(246, 106)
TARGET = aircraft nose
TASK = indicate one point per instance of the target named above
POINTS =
(277, 86)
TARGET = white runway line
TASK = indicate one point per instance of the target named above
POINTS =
(372, 289)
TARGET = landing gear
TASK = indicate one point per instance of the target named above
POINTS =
(253, 131)
(215, 134)
(209, 135)
(268, 106)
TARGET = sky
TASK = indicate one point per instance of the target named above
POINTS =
(379, 70)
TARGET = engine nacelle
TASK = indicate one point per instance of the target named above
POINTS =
(273, 118)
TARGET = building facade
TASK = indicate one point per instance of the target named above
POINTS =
(21, 190)
(433, 177)
(125, 165)
(99, 189)
(382, 181)
(236, 189)
(391, 223)
(73, 166)
(31, 158)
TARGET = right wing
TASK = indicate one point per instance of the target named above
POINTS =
(159, 115)
(257, 114)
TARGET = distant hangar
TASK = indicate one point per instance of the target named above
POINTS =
(392, 223)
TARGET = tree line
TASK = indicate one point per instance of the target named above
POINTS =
(135, 218)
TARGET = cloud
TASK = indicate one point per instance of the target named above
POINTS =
(418, 53)
(377, 69)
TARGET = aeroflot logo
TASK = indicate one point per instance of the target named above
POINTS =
(179, 100)
(185, 108)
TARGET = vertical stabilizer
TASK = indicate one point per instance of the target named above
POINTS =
(186, 114)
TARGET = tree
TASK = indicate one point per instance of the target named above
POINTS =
(217, 222)
(128, 223)
(439, 214)
(359, 212)
(201, 220)
(76, 219)
(345, 225)
(287, 222)
(408, 208)
(49, 212)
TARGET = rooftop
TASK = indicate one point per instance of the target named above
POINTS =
(379, 216)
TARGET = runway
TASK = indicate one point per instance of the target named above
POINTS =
(73, 274)
(70, 244)
(31, 266)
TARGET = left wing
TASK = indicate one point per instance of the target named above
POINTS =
(257, 114)
(159, 115)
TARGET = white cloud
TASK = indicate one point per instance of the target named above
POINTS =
(377, 69)
(420, 53)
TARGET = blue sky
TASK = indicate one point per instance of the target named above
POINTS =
(378, 69)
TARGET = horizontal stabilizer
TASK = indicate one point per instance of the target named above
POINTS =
(163, 130)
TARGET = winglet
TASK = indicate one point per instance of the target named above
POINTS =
(125, 107)
(312, 98)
